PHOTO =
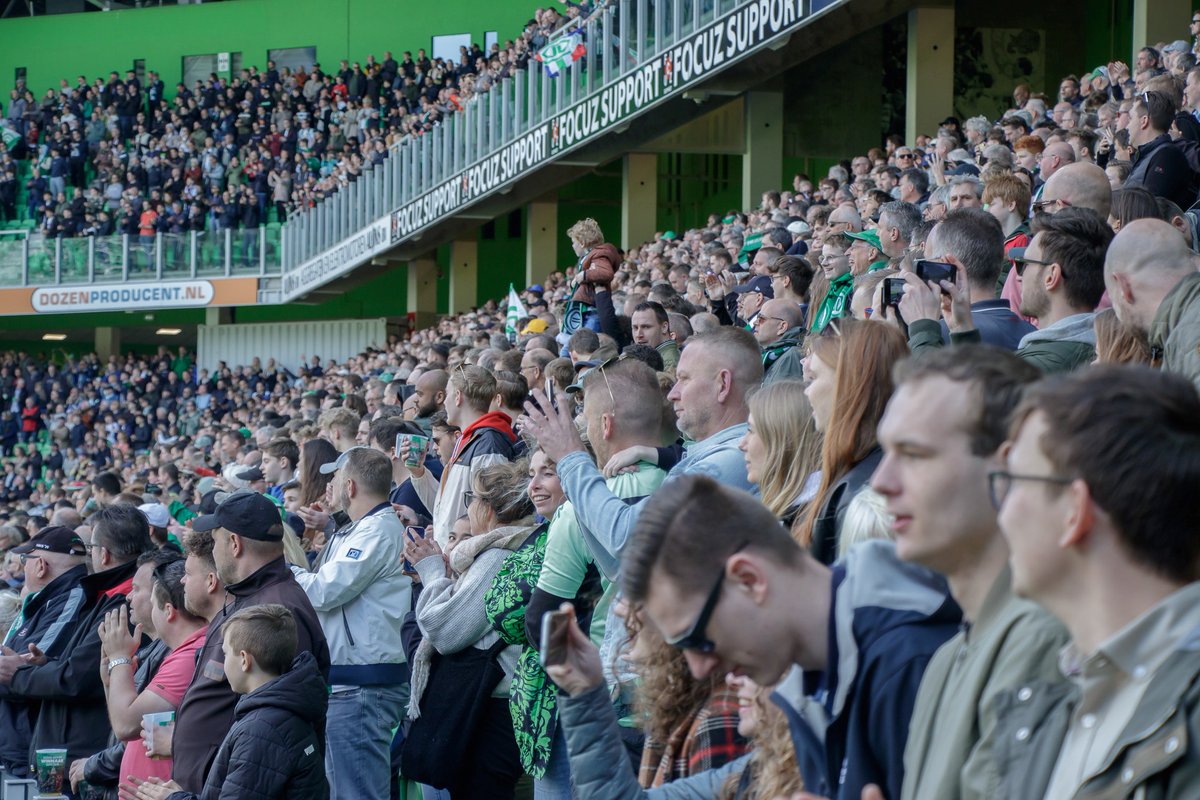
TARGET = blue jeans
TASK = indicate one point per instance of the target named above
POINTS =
(358, 738)
(556, 783)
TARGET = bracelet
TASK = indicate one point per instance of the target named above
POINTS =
(116, 662)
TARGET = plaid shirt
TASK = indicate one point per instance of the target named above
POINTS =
(706, 740)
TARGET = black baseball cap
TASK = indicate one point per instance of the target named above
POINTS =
(54, 539)
(250, 474)
(247, 514)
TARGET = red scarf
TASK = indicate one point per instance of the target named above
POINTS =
(493, 419)
(121, 588)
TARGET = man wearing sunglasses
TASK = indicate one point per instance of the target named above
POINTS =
(54, 562)
(724, 582)
(1118, 562)
(942, 433)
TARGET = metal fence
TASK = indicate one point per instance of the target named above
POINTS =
(31, 259)
(620, 37)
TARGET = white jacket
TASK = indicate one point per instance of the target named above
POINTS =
(361, 596)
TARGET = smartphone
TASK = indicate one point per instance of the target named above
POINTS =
(893, 291)
(413, 532)
(935, 271)
(555, 625)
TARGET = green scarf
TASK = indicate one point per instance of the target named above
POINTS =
(836, 303)
(533, 700)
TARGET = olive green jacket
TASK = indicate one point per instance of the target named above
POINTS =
(1175, 332)
(1156, 758)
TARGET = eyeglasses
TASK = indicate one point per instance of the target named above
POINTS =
(27, 556)
(761, 317)
(469, 497)
(1021, 262)
(696, 637)
(1000, 483)
(1044, 205)
(904, 155)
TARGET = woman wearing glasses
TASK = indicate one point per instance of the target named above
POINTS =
(451, 615)
(849, 375)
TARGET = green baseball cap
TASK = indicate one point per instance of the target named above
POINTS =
(871, 237)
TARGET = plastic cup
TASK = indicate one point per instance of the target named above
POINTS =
(18, 788)
(417, 446)
(51, 766)
(152, 722)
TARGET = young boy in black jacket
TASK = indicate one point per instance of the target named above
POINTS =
(275, 749)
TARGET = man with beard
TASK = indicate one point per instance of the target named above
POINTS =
(430, 394)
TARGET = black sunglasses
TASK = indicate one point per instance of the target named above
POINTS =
(696, 637)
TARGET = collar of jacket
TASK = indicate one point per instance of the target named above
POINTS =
(1149, 147)
(99, 583)
(266, 575)
(1173, 308)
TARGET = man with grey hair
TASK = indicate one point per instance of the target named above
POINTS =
(1152, 279)
(977, 129)
(965, 192)
(897, 221)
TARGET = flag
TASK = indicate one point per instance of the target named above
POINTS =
(9, 137)
(516, 311)
(562, 53)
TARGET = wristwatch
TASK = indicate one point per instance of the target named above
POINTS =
(116, 662)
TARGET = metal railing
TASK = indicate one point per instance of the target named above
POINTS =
(28, 258)
(620, 38)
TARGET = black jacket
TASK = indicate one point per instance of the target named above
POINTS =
(828, 527)
(49, 618)
(274, 750)
(207, 710)
(1162, 169)
(74, 714)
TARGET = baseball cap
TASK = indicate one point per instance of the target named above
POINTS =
(871, 237)
(536, 325)
(250, 474)
(156, 514)
(330, 467)
(247, 514)
(1177, 46)
(53, 539)
(759, 283)
(670, 236)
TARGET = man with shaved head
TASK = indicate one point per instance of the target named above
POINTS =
(1054, 157)
(844, 219)
(430, 391)
(779, 331)
(1082, 185)
(1152, 279)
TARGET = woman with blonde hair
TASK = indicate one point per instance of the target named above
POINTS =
(782, 448)
(772, 770)
(849, 374)
(452, 618)
(1117, 343)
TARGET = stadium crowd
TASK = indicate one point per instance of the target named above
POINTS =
(879, 490)
(116, 156)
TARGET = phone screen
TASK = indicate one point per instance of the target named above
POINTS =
(935, 271)
(554, 637)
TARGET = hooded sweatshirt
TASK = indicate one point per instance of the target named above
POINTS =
(887, 619)
(488, 440)
(1175, 332)
(1066, 345)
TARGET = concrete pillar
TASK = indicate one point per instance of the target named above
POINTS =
(639, 198)
(218, 316)
(1158, 21)
(108, 343)
(541, 239)
(464, 268)
(422, 291)
(930, 90)
(762, 165)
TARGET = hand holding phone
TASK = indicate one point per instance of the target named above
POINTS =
(935, 272)
(569, 657)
